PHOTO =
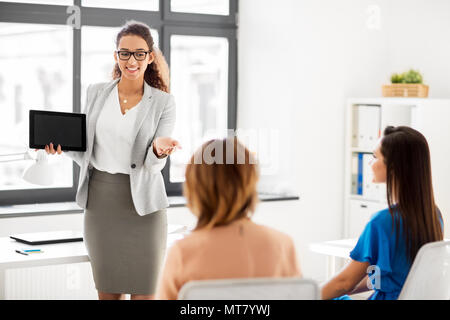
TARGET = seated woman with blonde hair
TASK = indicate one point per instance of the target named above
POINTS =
(225, 242)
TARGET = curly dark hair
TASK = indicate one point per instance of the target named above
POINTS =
(152, 74)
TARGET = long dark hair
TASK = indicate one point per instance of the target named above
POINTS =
(153, 74)
(409, 187)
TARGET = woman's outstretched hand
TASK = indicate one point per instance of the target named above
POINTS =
(164, 146)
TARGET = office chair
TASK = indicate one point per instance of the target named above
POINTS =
(251, 289)
(429, 277)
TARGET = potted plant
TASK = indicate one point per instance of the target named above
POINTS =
(406, 84)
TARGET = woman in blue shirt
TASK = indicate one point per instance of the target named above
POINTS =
(391, 239)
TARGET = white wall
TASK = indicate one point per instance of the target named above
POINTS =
(298, 63)
(421, 40)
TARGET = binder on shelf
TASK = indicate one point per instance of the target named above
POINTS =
(354, 172)
(367, 126)
(360, 174)
(355, 109)
(370, 190)
(362, 178)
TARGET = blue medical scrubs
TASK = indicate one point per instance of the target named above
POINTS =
(377, 245)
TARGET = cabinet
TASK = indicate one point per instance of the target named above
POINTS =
(366, 119)
(360, 212)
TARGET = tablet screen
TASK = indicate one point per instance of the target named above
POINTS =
(64, 128)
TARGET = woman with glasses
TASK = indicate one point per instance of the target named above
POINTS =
(129, 123)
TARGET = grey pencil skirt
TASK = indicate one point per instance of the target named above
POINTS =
(126, 250)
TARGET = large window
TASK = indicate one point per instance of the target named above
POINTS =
(201, 6)
(200, 86)
(150, 5)
(33, 75)
(48, 60)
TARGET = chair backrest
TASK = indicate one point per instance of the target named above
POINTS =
(251, 289)
(429, 277)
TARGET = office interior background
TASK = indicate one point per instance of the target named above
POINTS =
(264, 66)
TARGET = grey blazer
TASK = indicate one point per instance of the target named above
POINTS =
(155, 118)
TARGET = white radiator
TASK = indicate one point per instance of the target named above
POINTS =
(60, 282)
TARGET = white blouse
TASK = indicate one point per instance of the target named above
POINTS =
(114, 137)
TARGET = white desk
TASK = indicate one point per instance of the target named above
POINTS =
(53, 254)
(334, 249)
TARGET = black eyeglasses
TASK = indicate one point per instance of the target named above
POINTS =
(138, 55)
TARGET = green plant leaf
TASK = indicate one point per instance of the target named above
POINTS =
(396, 78)
(413, 76)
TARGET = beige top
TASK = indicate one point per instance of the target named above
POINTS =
(241, 249)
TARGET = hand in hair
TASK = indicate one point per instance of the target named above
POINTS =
(164, 146)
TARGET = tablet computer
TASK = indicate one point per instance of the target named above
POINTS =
(48, 237)
(64, 128)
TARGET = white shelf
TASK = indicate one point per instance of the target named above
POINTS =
(428, 116)
(360, 150)
(392, 111)
(393, 100)
(431, 118)
(362, 198)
